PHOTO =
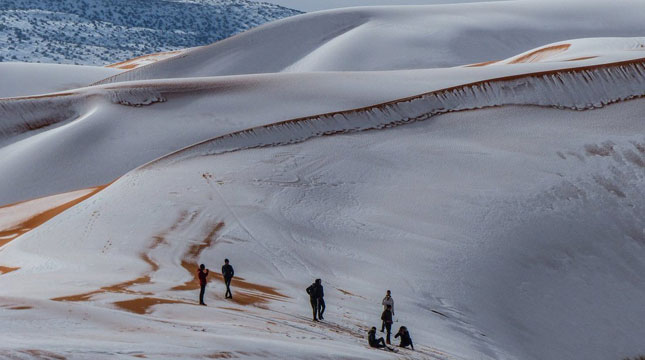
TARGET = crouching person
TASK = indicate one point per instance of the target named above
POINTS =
(406, 340)
(373, 341)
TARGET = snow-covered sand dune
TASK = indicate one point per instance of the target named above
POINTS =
(98, 127)
(501, 203)
(391, 38)
(21, 79)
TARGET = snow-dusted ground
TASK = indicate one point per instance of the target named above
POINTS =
(21, 79)
(501, 203)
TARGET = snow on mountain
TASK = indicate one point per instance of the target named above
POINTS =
(99, 32)
(502, 203)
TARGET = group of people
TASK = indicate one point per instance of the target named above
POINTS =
(386, 325)
(316, 298)
(227, 274)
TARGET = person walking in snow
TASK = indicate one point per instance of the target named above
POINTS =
(202, 273)
(373, 341)
(387, 320)
(316, 298)
(387, 300)
(227, 273)
(406, 340)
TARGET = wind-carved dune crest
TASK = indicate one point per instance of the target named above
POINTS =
(580, 88)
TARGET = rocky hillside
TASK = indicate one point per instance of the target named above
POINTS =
(101, 32)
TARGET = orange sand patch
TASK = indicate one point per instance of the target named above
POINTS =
(194, 251)
(20, 308)
(258, 294)
(117, 288)
(7, 235)
(135, 62)
(541, 54)
(142, 305)
(221, 355)
(40, 354)
(482, 63)
(349, 293)
(582, 58)
(6, 270)
(231, 308)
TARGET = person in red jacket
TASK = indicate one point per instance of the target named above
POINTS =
(202, 273)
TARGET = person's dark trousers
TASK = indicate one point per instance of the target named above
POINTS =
(201, 294)
(388, 327)
(321, 308)
(314, 307)
(380, 343)
(382, 326)
(227, 281)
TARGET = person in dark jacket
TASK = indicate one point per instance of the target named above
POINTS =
(387, 320)
(316, 295)
(387, 300)
(227, 273)
(406, 340)
(202, 273)
(373, 341)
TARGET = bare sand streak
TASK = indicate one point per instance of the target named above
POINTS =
(485, 63)
(142, 305)
(132, 63)
(7, 235)
(541, 54)
(6, 270)
(258, 294)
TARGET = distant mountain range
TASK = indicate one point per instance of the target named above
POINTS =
(99, 32)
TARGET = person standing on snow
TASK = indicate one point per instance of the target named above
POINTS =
(227, 273)
(316, 295)
(406, 340)
(387, 300)
(387, 320)
(202, 273)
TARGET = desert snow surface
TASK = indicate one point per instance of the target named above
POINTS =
(484, 162)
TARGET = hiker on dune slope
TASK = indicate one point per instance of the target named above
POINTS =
(202, 273)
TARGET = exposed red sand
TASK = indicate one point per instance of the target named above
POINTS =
(133, 63)
(582, 58)
(231, 308)
(349, 293)
(117, 288)
(123, 287)
(20, 308)
(42, 354)
(257, 294)
(221, 355)
(142, 305)
(6, 270)
(541, 54)
(7, 235)
(482, 63)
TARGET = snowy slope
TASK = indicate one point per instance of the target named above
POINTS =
(99, 32)
(502, 203)
(410, 37)
(102, 132)
(20, 79)
(502, 231)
